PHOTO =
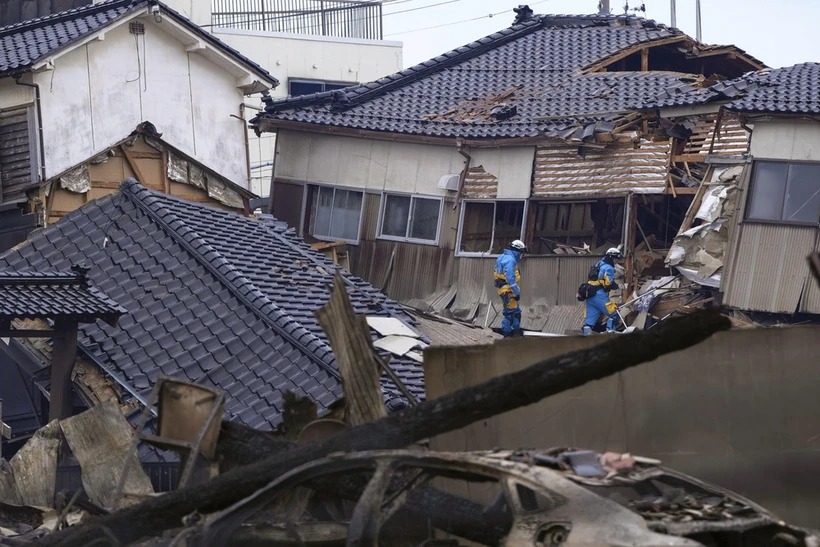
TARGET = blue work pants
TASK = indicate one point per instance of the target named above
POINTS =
(596, 307)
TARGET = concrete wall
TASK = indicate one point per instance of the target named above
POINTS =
(98, 93)
(738, 410)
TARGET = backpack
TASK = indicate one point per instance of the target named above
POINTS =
(593, 272)
(585, 290)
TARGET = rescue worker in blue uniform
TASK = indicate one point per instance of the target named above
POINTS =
(506, 278)
(599, 304)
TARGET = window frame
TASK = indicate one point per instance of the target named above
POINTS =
(750, 193)
(324, 84)
(306, 204)
(380, 221)
(495, 202)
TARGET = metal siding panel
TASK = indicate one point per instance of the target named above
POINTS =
(810, 303)
(571, 273)
(615, 170)
(770, 268)
(370, 218)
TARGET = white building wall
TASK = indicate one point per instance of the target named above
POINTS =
(786, 140)
(99, 92)
(395, 166)
(12, 95)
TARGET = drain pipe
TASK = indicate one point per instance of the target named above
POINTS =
(41, 139)
(468, 158)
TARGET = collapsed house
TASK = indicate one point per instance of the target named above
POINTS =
(75, 84)
(210, 297)
(538, 132)
(759, 219)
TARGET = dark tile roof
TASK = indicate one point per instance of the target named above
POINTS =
(211, 297)
(788, 90)
(25, 43)
(54, 295)
(534, 65)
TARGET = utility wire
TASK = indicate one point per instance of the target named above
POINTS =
(488, 16)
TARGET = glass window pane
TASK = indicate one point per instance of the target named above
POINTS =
(509, 218)
(802, 193)
(396, 212)
(322, 204)
(424, 223)
(347, 209)
(768, 189)
(477, 229)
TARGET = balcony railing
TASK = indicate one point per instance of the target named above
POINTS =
(339, 18)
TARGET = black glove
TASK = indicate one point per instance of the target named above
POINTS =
(517, 298)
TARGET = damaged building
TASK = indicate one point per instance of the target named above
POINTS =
(757, 221)
(74, 85)
(539, 132)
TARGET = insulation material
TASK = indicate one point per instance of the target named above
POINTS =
(177, 169)
(220, 192)
(478, 183)
(197, 176)
(76, 180)
(731, 139)
(398, 345)
(387, 326)
(102, 158)
(615, 170)
(713, 204)
(698, 253)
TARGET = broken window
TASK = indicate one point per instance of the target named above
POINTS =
(786, 192)
(490, 226)
(560, 227)
(410, 218)
(334, 213)
(306, 87)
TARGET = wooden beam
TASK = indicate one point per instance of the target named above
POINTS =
(682, 190)
(165, 181)
(133, 165)
(63, 357)
(624, 53)
(631, 223)
(22, 333)
(645, 59)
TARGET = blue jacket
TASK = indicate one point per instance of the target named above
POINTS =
(606, 275)
(506, 268)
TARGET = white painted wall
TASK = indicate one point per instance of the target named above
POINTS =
(395, 166)
(99, 92)
(786, 140)
(12, 95)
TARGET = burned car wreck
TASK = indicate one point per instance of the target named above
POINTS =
(512, 498)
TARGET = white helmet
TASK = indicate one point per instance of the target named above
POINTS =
(518, 245)
(613, 252)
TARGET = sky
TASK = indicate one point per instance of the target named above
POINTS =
(779, 33)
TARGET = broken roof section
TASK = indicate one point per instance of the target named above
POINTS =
(545, 76)
(788, 90)
(24, 45)
(211, 297)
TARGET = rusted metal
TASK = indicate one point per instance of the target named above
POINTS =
(614, 170)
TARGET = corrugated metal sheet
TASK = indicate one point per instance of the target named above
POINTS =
(769, 270)
(16, 173)
(450, 333)
(474, 280)
(731, 140)
(572, 272)
(449, 226)
(617, 170)
(810, 303)
(480, 184)
(566, 319)
(370, 216)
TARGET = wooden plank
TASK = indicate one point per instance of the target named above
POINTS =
(102, 440)
(133, 165)
(105, 184)
(35, 467)
(690, 158)
(682, 190)
(645, 60)
(166, 183)
(352, 345)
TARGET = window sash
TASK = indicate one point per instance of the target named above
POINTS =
(784, 192)
(341, 205)
(389, 226)
(461, 226)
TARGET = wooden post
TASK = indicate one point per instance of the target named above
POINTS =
(166, 183)
(645, 59)
(62, 363)
(629, 253)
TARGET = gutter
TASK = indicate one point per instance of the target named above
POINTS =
(39, 110)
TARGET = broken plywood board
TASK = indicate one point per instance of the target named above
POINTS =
(102, 440)
(390, 325)
(35, 466)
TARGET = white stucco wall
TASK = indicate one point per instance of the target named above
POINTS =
(12, 95)
(99, 92)
(395, 166)
(786, 140)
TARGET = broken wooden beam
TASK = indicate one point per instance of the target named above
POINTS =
(431, 418)
(814, 262)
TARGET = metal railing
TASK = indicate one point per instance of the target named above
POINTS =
(339, 18)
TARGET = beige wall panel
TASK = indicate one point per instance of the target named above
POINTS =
(511, 166)
(110, 171)
(152, 171)
(773, 140)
